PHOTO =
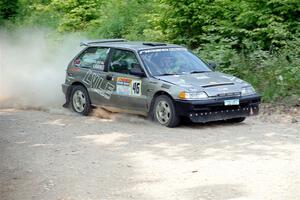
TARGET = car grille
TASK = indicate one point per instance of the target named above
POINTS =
(231, 94)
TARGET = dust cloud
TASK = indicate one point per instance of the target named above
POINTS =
(103, 114)
(32, 68)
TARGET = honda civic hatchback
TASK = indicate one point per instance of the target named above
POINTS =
(164, 81)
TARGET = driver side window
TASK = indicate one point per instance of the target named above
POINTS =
(122, 61)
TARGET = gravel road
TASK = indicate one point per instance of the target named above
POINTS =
(58, 155)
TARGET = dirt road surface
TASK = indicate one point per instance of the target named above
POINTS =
(59, 155)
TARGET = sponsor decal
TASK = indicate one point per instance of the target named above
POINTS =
(212, 83)
(232, 78)
(200, 77)
(74, 69)
(128, 86)
(123, 86)
(181, 81)
(95, 82)
(222, 89)
(77, 62)
(99, 65)
(161, 50)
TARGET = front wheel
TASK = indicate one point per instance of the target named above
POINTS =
(164, 111)
(80, 99)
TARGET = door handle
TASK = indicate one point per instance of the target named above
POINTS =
(109, 77)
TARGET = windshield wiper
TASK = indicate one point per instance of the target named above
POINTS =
(196, 72)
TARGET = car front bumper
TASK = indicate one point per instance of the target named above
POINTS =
(214, 109)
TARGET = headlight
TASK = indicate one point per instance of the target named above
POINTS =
(192, 95)
(247, 90)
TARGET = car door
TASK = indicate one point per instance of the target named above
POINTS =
(92, 62)
(129, 90)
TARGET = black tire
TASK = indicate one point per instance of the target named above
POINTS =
(236, 120)
(78, 89)
(173, 118)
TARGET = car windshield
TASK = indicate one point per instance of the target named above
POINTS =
(171, 61)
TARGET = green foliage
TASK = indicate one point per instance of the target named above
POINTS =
(126, 18)
(8, 9)
(276, 75)
(256, 40)
(269, 23)
(76, 15)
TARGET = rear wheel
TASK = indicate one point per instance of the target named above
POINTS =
(236, 120)
(80, 99)
(164, 111)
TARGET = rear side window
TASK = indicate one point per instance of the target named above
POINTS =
(92, 58)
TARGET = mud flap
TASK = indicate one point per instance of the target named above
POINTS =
(66, 105)
(68, 96)
(251, 111)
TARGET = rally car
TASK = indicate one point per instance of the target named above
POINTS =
(164, 81)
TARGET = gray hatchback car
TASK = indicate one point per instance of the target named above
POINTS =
(163, 81)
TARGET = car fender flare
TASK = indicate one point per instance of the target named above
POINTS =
(69, 92)
(156, 94)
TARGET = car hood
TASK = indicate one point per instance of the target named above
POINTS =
(213, 83)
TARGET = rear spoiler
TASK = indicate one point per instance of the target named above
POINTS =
(88, 43)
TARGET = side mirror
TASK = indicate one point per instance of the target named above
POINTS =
(212, 66)
(136, 70)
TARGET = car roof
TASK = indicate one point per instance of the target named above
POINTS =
(130, 45)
